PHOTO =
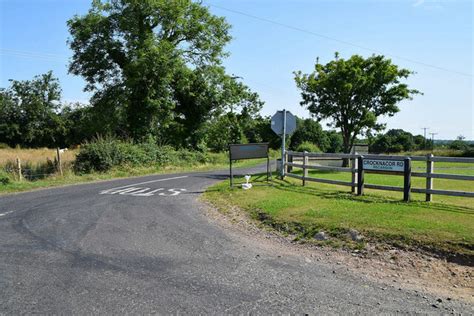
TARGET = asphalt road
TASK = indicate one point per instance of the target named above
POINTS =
(143, 245)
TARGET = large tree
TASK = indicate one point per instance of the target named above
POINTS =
(150, 62)
(352, 94)
(29, 112)
(205, 93)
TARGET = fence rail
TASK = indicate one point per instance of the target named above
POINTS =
(357, 171)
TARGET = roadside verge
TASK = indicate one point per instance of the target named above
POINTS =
(326, 215)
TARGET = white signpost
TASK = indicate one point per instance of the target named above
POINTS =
(283, 123)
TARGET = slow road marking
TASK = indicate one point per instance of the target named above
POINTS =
(134, 190)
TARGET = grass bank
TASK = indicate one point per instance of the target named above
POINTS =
(444, 227)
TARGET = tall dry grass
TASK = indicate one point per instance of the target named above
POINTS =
(34, 156)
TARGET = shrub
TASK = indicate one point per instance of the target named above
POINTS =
(99, 155)
(102, 154)
(468, 152)
(4, 177)
(309, 147)
(458, 144)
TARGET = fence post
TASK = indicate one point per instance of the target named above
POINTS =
(407, 180)
(58, 159)
(429, 179)
(360, 175)
(353, 173)
(305, 163)
(18, 168)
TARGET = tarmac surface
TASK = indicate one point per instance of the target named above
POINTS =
(143, 245)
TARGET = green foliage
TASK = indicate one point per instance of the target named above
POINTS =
(224, 131)
(155, 68)
(396, 140)
(29, 112)
(81, 124)
(309, 147)
(105, 153)
(353, 93)
(34, 171)
(335, 142)
(469, 152)
(309, 131)
(4, 178)
(458, 144)
(260, 131)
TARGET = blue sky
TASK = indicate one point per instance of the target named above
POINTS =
(33, 35)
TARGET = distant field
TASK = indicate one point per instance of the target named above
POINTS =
(445, 225)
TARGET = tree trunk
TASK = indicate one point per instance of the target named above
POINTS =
(346, 148)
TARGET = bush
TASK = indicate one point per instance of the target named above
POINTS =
(4, 178)
(309, 147)
(102, 154)
(468, 152)
(458, 144)
(99, 155)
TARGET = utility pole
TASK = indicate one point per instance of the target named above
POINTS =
(432, 140)
(424, 135)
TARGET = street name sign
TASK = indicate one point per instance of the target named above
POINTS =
(384, 165)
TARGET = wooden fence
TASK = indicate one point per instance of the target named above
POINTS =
(357, 183)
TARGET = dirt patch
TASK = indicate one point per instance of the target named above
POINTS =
(384, 264)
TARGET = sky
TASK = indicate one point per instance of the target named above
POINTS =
(274, 38)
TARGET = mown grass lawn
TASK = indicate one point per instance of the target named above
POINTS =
(445, 225)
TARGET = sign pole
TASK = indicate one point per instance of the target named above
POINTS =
(282, 171)
(231, 174)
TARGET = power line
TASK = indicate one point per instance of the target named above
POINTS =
(295, 28)
(33, 55)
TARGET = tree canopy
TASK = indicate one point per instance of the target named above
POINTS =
(154, 66)
(29, 112)
(352, 94)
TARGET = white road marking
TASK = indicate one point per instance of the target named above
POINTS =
(150, 193)
(144, 191)
(131, 185)
(175, 192)
(6, 213)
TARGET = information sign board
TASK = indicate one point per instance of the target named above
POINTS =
(248, 151)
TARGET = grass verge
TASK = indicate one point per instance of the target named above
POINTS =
(444, 227)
